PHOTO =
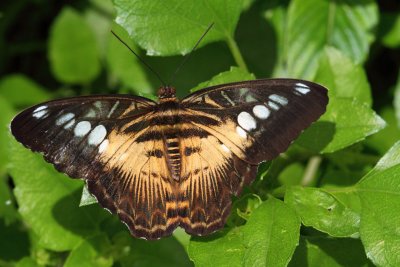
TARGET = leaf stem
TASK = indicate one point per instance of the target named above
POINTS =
(236, 53)
(311, 170)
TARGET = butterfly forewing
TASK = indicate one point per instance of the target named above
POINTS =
(259, 119)
(168, 164)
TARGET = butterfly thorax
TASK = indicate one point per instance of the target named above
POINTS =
(166, 93)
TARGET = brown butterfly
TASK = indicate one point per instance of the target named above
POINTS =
(175, 162)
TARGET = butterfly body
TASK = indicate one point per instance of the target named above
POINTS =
(175, 162)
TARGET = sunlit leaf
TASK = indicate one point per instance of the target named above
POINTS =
(173, 27)
(73, 51)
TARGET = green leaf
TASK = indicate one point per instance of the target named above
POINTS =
(384, 140)
(86, 197)
(271, 235)
(91, 252)
(14, 242)
(7, 113)
(323, 211)
(391, 36)
(314, 24)
(348, 80)
(48, 202)
(380, 201)
(174, 27)
(124, 65)
(234, 74)
(346, 122)
(316, 252)
(73, 51)
(26, 262)
(20, 91)
(137, 252)
(224, 248)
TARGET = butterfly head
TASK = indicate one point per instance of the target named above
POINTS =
(166, 92)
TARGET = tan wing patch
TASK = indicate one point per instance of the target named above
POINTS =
(211, 173)
(138, 185)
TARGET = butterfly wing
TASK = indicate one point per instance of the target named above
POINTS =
(259, 119)
(98, 138)
(210, 175)
(244, 123)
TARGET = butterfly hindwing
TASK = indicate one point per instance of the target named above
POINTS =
(259, 119)
(210, 175)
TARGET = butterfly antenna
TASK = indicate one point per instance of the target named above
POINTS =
(144, 62)
(188, 55)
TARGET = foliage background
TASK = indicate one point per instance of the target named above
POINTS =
(332, 199)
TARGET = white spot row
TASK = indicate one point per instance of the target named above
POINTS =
(279, 99)
(246, 121)
(96, 135)
(40, 112)
(68, 120)
(302, 88)
(261, 112)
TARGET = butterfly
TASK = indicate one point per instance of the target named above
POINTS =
(160, 165)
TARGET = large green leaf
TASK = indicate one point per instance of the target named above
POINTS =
(20, 91)
(91, 252)
(269, 238)
(343, 78)
(173, 27)
(271, 235)
(141, 253)
(224, 248)
(324, 211)
(49, 202)
(380, 201)
(314, 24)
(346, 122)
(73, 51)
(329, 252)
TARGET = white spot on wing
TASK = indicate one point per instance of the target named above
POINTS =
(250, 98)
(91, 114)
(103, 146)
(246, 121)
(113, 109)
(65, 118)
(302, 85)
(227, 98)
(40, 108)
(40, 112)
(279, 99)
(82, 128)
(69, 124)
(241, 132)
(273, 105)
(302, 88)
(261, 112)
(98, 104)
(97, 135)
(302, 91)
